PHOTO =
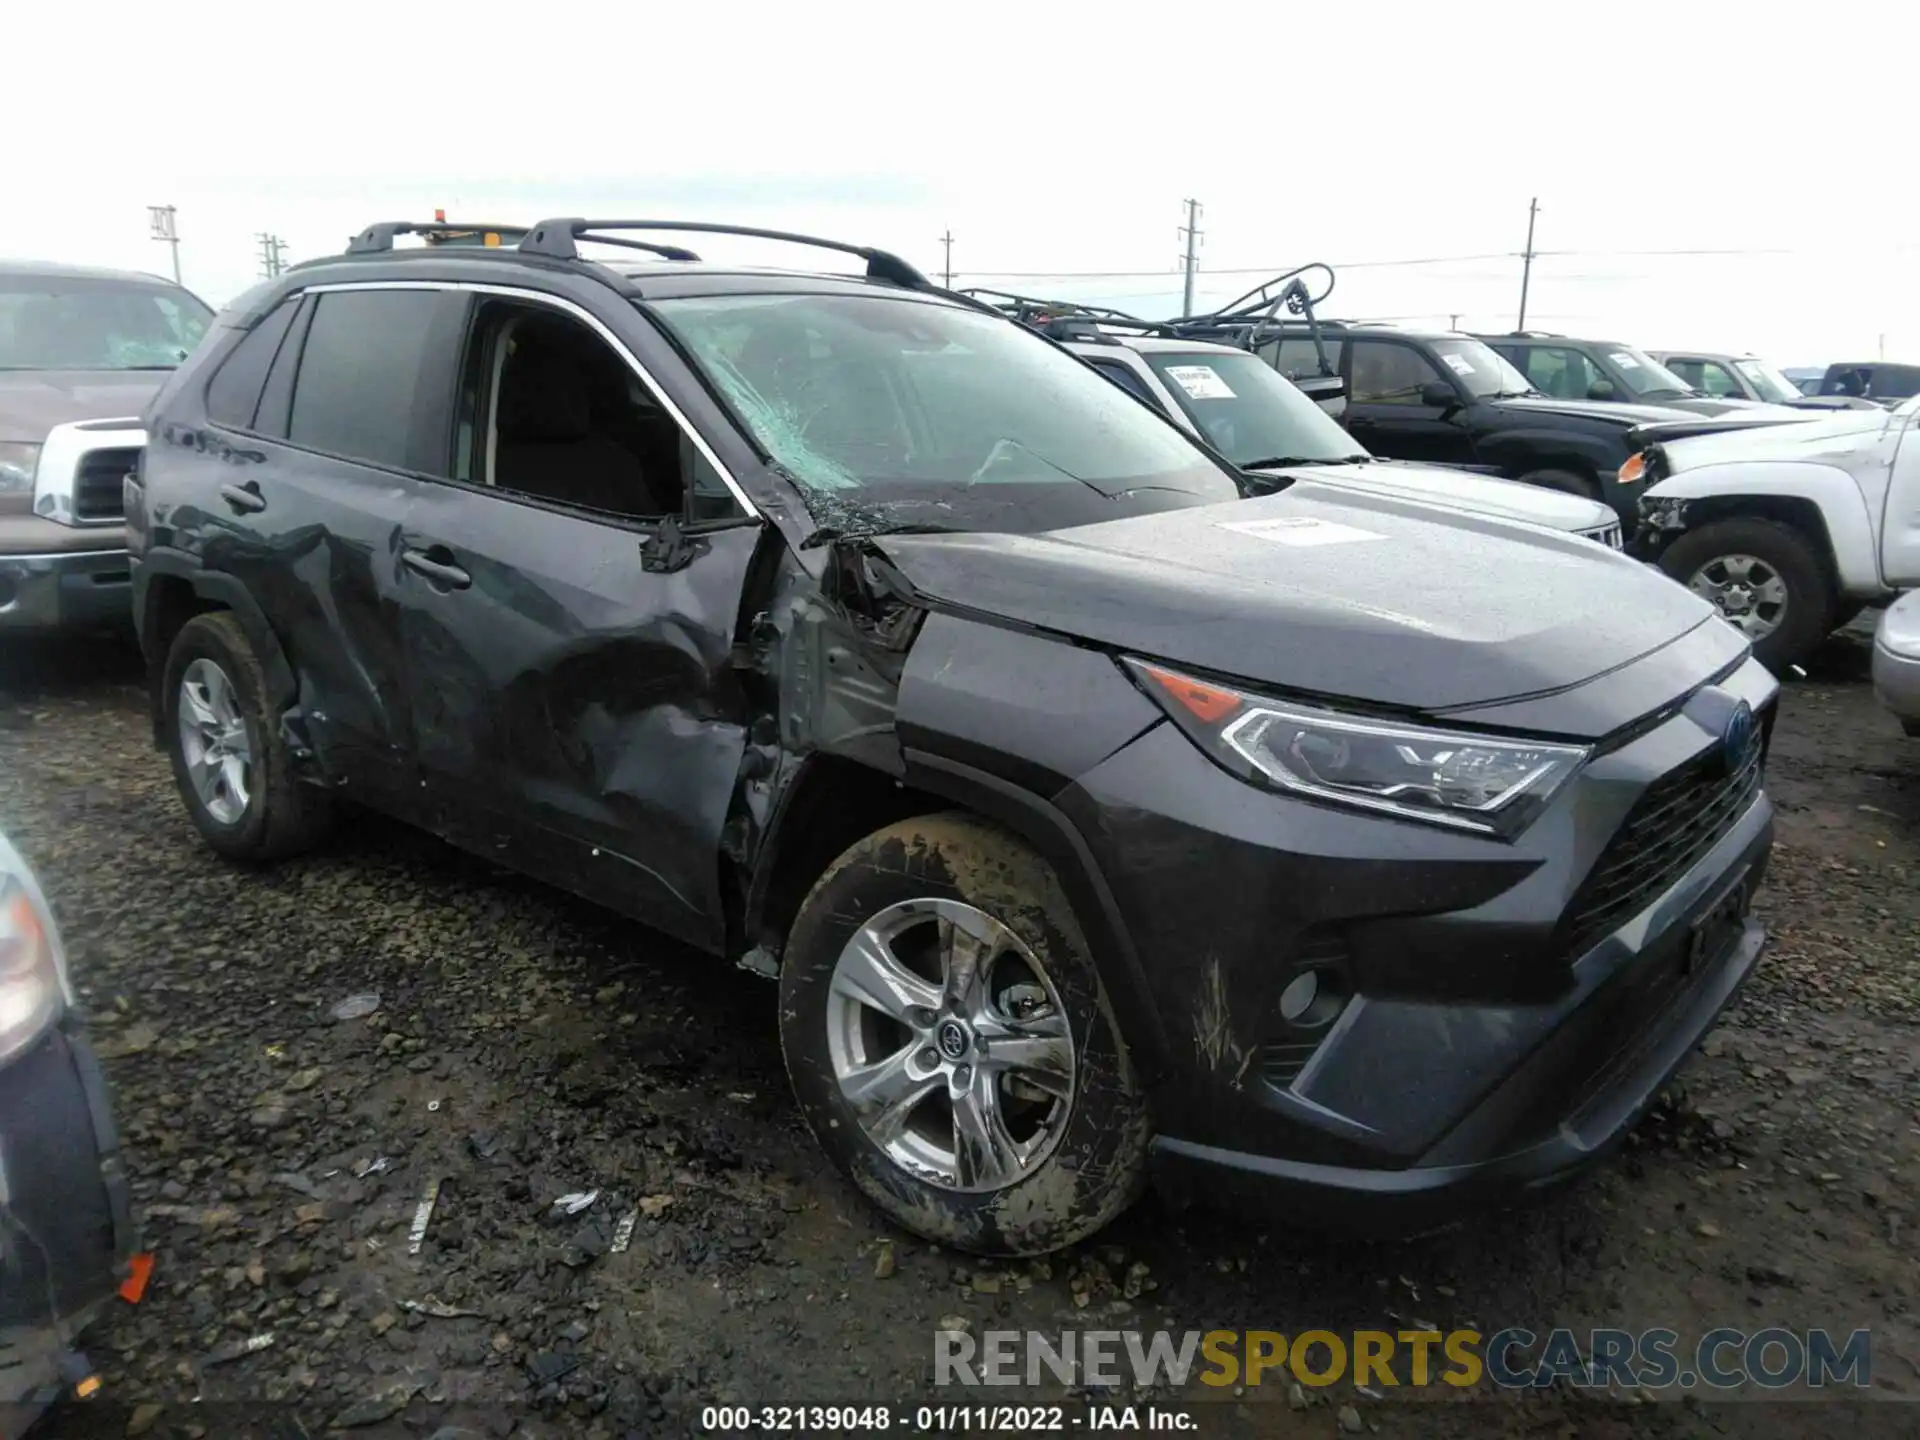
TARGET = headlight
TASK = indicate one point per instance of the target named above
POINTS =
(18, 461)
(1635, 469)
(1441, 777)
(32, 978)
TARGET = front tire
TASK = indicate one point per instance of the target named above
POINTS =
(1766, 579)
(229, 760)
(951, 1046)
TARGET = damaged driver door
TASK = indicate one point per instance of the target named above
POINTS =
(568, 625)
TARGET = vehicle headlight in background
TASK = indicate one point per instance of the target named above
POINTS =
(1634, 470)
(32, 978)
(18, 461)
(1465, 782)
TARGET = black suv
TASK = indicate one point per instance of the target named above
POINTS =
(1448, 399)
(1568, 369)
(1089, 810)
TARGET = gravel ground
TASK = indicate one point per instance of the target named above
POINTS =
(527, 1047)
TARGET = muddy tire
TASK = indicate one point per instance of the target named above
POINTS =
(951, 1046)
(1751, 558)
(1565, 481)
(229, 761)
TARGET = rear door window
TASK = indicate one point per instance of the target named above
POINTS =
(357, 393)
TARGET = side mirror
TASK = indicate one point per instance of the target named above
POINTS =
(1600, 390)
(1439, 395)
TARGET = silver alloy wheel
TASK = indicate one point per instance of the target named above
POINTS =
(213, 741)
(1746, 590)
(950, 1043)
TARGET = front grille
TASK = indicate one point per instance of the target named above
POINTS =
(1607, 535)
(97, 483)
(1682, 816)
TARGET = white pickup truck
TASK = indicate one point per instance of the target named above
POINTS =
(1790, 529)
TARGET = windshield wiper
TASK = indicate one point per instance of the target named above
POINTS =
(827, 534)
(1276, 462)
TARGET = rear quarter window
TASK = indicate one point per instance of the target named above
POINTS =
(233, 394)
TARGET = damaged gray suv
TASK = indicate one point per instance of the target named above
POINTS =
(1103, 813)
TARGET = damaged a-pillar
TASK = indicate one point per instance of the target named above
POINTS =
(820, 660)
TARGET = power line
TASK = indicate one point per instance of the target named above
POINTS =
(1409, 263)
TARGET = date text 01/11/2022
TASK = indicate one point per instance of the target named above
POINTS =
(941, 1419)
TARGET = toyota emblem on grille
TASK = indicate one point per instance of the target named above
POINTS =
(1736, 737)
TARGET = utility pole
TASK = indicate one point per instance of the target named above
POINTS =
(1526, 269)
(1453, 321)
(164, 227)
(947, 272)
(1189, 263)
(273, 258)
(1883, 345)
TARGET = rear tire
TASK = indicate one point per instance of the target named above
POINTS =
(229, 760)
(1564, 481)
(1744, 555)
(1020, 1128)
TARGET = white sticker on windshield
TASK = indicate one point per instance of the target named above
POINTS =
(1201, 382)
(1299, 531)
(1624, 361)
(1459, 363)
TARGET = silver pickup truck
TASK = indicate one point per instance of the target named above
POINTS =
(81, 353)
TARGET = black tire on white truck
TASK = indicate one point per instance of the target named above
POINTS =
(1767, 579)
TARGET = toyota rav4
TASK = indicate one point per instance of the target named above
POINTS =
(1096, 817)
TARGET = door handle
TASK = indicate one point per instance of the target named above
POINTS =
(436, 564)
(244, 499)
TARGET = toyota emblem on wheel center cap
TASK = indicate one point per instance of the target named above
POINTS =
(952, 1039)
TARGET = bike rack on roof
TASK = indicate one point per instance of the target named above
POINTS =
(1248, 320)
(1060, 319)
(557, 240)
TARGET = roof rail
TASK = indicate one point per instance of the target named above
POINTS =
(556, 240)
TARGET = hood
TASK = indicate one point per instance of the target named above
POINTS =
(1463, 490)
(32, 402)
(1615, 412)
(1323, 591)
(1730, 405)
(1829, 439)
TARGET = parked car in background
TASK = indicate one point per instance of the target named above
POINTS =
(1896, 660)
(1722, 376)
(66, 1226)
(1089, 810)
(1788, 529)
(1874, 380)
(81, 353)
(1255, 417)
(1572, 369)
(1449, 399)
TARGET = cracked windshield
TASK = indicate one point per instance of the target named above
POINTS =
(895, 414)
(69, 324)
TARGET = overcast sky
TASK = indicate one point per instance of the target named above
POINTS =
(1048, 137)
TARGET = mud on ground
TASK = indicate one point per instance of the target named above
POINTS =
(527, 1047)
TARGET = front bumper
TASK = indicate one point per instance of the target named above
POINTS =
(85, 589)
(1482, 1035)
(1896, 660)
(66, 1230)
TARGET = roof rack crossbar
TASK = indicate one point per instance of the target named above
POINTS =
(378, 237)
(556, 239)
